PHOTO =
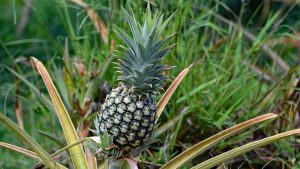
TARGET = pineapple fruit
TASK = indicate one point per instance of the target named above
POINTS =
(129, 112)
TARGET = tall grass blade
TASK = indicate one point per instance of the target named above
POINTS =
(243, 149)
(77, 152)
(46, 101)
(19, 105)
(92, 86)
(271, 53)
(161, 129)
(99, 24)
(195, 150)
(52, 137)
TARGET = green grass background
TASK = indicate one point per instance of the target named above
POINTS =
(224, 87)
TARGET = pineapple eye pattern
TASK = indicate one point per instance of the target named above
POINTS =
(138, 115)
(122, 140)
(128, 119)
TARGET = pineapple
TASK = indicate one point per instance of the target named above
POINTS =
(129, 112)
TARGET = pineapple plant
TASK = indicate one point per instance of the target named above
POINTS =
(128, 113)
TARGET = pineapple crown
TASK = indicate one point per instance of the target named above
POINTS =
(139, 63)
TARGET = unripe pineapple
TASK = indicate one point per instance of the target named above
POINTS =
(129, 111)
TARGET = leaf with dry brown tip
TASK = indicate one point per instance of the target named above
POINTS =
(166, 97)
(99, 24)
(200, 147)
(76, 152)
(19, 106)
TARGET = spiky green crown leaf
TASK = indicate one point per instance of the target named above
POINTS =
(139, 64)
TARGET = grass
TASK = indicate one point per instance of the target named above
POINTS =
(234, 77)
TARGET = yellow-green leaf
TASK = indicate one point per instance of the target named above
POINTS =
(200, 147)
(243, 149)
(76, 152)
(26, 152)
(29, 141)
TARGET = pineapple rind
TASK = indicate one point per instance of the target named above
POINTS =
(132, 124)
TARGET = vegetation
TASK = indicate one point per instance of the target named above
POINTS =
(244, 71)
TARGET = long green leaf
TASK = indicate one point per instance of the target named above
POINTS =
(34, 156)
(77, 152)
(26, 152)
(166, 97)
(200, 147)
(45, 100)
(243, 149)
(29, 141)
(21, 150)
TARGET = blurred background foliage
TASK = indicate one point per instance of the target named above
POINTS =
(246, 63)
